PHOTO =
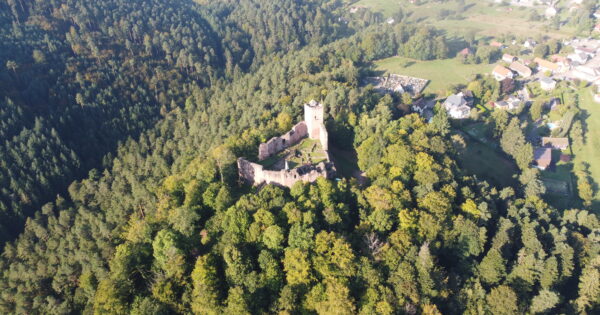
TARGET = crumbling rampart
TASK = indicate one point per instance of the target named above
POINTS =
(276, 144)
(254, 173)
(312, 127)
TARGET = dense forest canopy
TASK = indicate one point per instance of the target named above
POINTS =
(155, 228)
(78, 78)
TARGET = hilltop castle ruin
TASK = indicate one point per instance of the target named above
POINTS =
(301, 154)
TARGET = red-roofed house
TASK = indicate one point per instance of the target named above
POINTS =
(465, 52)
(564, 64)
(542, 157)
(555, 143)
(508, 58)
(545, 65)
(496, 44)
(521, 69)
(501, 72)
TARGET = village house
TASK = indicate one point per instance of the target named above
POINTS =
(542, 157)
(545, 65)
(510, 103)
(555, 143)
(508, 58)
(529, 44)
(423, 107)
(501, 72)
(586, 73)
(497, 44)
(465, 52)
(547, 84)
(458, 106)
(590, 52)
(564, 64)
(521, 69)
(579, 58)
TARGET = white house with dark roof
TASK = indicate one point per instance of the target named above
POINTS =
(457, 106)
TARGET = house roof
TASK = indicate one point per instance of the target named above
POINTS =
(455, 100)
(580, 56)
(565, 158)
(586, 50)
(508, 56)
(558, 59)
(496, 44)
(466, 51)
(546, 80)
(501, 70)
(542, 156)
(520, 68)
(545, 63)
(555, 142)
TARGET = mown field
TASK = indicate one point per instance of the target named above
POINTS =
(441, 73)
(590, 151)
(478, 16)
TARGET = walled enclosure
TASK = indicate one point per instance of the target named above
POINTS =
(312, 127)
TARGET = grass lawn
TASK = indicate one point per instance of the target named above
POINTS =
(559, 182)
(590, 151)
(441, 73)
(484, 162)
(306, 151)
(481, 17)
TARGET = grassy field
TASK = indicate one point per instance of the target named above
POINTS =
(441, 73)
(590, 152)
(481, 17)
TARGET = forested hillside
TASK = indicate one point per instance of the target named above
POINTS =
(155, 100)
(79, 77)
(160, 231)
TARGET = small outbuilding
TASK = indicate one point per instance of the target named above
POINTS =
(542, 157)
(555, 143)
(547, 84)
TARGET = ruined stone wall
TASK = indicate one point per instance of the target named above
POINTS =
(255, 173)
(276, 144)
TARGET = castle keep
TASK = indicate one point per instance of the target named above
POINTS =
(301, 154)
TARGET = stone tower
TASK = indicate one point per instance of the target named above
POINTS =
(313, 117)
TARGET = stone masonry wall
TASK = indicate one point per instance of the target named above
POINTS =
(276, 144)
(313, 126)
(255, 173)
